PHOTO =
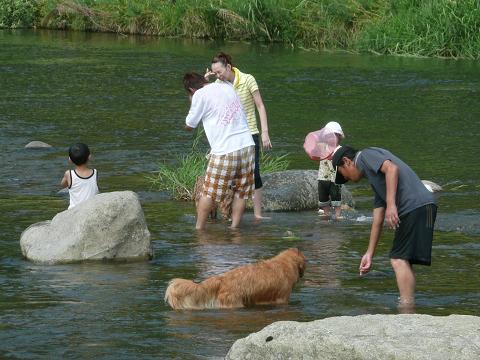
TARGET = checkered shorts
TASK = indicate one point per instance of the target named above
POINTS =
(233, 170)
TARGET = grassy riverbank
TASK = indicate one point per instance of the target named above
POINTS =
(433, 28)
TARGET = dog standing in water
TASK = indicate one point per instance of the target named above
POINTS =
(267, 282)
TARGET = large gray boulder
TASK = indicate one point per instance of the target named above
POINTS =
(108, 226)
(372, 337)
(294, 190)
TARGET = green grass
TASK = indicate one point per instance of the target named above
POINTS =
(179, 177)
(431, 28)
(434, 28)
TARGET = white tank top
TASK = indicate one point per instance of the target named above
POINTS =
(82, 188)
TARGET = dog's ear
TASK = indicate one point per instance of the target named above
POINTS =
(298, 252)
(301, 269)
(301, 263)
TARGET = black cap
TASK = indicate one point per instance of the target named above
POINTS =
(342, 151)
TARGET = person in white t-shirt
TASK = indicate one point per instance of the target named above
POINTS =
(81, 181)
(232, 156)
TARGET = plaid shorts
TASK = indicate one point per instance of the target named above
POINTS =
(230, 171)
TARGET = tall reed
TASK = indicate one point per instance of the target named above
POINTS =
(433, 28)
(179, 177)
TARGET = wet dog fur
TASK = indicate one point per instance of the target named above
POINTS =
(268, 282)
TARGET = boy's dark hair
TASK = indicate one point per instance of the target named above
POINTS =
(79, 153)
(223, 58)
(193, 81)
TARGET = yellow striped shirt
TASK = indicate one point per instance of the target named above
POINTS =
(245, 85)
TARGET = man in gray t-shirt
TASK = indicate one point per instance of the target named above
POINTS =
(403, 201)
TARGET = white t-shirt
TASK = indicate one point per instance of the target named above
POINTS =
(218, 106)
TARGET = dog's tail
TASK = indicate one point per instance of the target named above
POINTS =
(186, 294)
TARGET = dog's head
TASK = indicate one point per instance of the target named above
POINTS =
(298, 258)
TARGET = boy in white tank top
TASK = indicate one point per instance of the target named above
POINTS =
(82, 181)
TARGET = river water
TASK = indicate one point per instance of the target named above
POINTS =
(124, 97)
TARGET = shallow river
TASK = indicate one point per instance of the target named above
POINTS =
(124, 97)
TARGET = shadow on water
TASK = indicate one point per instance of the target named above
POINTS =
(123, 96)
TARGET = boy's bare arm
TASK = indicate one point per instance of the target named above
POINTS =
(65, 180)
(375, 232)
(391, 181)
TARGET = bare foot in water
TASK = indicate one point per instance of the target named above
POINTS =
(259, 218)
(406, 306)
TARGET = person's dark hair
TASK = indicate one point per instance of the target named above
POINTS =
(223, 58)
(193, 81)
(79, 153)
(349, 153)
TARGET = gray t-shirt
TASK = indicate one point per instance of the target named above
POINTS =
(411, 193)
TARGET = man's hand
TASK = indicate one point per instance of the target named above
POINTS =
(391, 216)
(365, 264)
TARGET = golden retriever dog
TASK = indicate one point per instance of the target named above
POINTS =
(267, 282)
(225, 204)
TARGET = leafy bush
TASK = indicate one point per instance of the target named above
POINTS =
(18, 13)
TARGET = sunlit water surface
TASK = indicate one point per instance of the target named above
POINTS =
(123, 96)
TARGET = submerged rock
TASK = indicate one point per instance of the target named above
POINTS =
(431, 186)
(369, 337)
(108, 226)
(294, 190)
(37, 145)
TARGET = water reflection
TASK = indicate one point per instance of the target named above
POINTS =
(324, 263)
(124, 96)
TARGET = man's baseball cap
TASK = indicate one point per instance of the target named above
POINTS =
(339, 153)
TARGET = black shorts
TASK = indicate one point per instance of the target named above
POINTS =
(329, 191)
(256, 173)
(413, 238)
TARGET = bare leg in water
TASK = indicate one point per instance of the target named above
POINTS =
(406, 283)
